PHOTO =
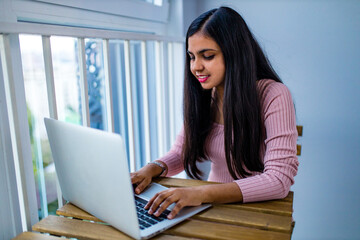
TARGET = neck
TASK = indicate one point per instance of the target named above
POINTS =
(219, 105)
(220, 92)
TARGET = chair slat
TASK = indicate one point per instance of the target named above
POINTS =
(299, 129)
(298, 149)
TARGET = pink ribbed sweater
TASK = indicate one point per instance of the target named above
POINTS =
(279, 149)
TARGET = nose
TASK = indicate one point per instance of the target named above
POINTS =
(197, 65)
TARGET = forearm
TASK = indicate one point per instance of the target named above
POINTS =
(193, 196)
(221, 193)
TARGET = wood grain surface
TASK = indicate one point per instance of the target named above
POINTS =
(250, 221)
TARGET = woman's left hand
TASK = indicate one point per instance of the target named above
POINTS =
(182, 197)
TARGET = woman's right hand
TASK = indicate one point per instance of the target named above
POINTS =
(143, 177)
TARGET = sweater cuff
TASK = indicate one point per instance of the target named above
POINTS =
(173, 163)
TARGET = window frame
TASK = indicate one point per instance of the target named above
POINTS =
(46, 18)
(145, 10)
(107, 14)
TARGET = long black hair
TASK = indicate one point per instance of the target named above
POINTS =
(245, 63)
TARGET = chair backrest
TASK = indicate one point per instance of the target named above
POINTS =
(300, 133)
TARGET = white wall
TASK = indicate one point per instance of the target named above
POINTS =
(315, 48)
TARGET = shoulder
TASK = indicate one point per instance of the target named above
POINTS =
(271, 91)
(270, 87)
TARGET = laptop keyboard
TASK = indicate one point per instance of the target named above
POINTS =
(146, 220)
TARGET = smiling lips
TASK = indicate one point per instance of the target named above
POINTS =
(202, 78)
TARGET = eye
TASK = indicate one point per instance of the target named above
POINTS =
(209, 57)
(191, 57)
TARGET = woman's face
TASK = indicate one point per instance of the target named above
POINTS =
(206, 61)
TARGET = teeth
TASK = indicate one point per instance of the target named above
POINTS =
(202, 77)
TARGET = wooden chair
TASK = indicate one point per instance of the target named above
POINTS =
(300, 133)
(298, 153)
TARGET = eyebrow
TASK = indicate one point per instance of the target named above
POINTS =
(202, 51)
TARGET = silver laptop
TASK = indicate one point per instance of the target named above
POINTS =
(93, 173)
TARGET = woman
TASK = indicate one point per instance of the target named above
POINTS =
(237, 114)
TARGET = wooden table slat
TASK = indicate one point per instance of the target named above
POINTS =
(271, 207)
(219, 231)
(172, 237)
(214, 214)
(289, 197)
(35, 236)
(69, 210)
(260, 220)
(62, 226)
(73, 228)
(180, 182)
(246, 218)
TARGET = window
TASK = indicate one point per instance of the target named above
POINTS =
(37, 109)
(140, 98)
(100, 72)
(66, 74)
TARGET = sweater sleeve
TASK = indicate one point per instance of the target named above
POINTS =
(172, 159)
(280, 160)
